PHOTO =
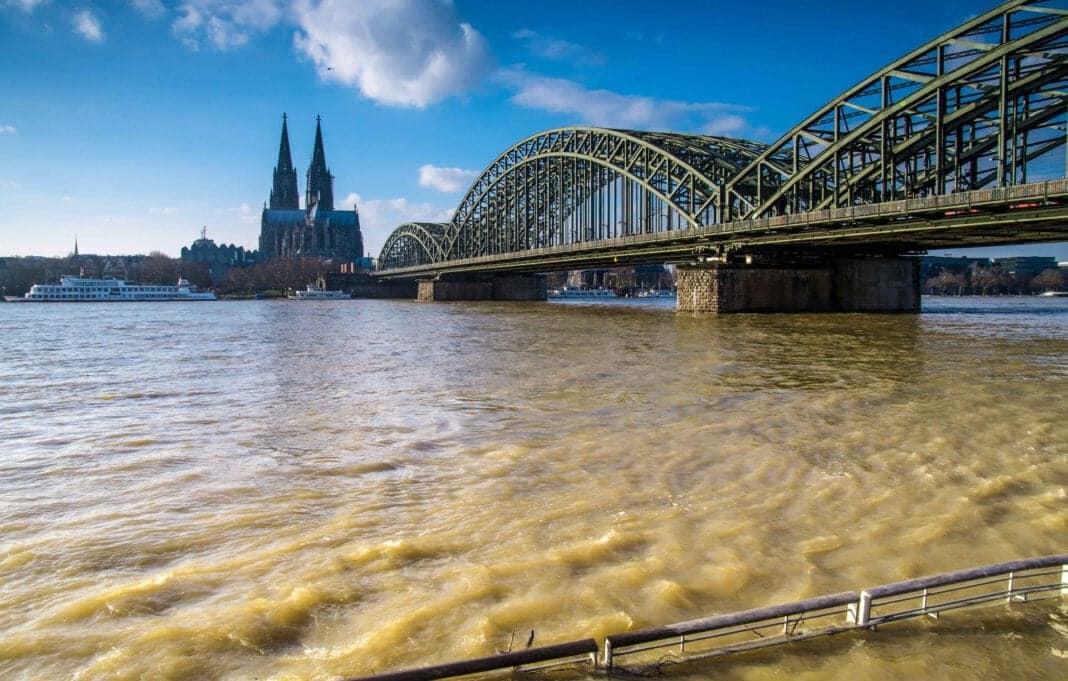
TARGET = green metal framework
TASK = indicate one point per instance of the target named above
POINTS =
(414, 243)
(983, 105)
(980, 106)
(579, 185)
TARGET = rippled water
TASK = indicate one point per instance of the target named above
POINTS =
(277, 490)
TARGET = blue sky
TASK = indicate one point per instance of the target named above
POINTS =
(134, 123)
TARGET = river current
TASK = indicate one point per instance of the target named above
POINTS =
(280, 490)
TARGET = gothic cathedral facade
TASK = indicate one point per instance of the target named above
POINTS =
(317, 230)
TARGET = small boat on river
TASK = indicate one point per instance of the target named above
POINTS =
(318, 291)
(656, 293)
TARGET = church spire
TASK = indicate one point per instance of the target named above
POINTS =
(284, 192)
(320, 182)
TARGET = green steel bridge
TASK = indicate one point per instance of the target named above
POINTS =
(960, 142)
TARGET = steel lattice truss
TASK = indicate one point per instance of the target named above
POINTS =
(415, 243)
(983, 105)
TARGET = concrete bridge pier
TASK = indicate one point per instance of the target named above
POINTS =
(503, 287)
(854, 284)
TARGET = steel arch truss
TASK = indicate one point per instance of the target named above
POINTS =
(413, 244)
(582, 185)
(982, 105)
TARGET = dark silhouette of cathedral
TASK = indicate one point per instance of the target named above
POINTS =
(318, 230)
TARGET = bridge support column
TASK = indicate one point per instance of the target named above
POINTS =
(877, 284)
(838, 285)
(510, 287)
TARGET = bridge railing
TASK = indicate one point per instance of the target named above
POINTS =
(1035, 191)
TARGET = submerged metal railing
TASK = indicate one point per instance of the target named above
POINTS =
(737, 631)
(530, 659)
(1016, 581)
(1020, 580)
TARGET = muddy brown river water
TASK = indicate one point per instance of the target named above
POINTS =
(282, 490)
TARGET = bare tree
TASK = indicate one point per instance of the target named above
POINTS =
(946, 282)
(1052, 279)
(157, 268)
(983, 279)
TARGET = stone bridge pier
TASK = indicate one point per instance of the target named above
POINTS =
(499, 287)
(841, 284)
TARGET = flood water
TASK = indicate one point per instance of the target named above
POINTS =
(280, 490)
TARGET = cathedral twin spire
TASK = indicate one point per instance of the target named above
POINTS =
(320, 182)
(318, 231)
(320, 189)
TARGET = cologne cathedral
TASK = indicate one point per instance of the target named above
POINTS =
(318, 230)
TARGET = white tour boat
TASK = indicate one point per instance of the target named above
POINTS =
(71, 289)
(317, 291)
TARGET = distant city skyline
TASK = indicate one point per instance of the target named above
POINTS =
(134, 124)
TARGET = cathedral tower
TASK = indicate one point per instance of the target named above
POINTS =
(284, 192)
(320, 185)
(317, 231)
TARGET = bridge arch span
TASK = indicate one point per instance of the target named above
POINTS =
(584, 184)
(413, 244)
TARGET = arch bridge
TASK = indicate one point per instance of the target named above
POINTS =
(960, 142)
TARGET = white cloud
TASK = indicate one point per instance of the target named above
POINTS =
(245, 213)
(88, 26)
(725, 125)
(24, 5)
(150, 9)
(379, 217)
(446, 179)
(559, 50)
(7, 129)
(166, 210)
(611, 109)
(399, 52)
(225, 24)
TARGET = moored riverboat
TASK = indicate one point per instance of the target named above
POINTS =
(71, 289)
(572, 292)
